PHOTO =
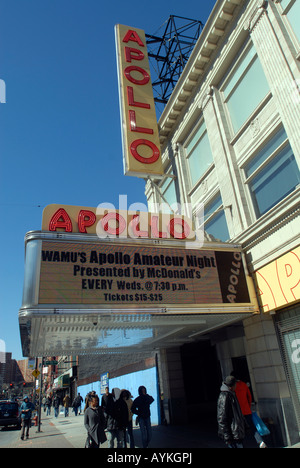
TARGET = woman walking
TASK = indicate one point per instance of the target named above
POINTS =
(94, 423)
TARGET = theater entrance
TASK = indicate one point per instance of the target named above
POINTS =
(202, 380)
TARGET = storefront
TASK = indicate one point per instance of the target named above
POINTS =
(278, 286)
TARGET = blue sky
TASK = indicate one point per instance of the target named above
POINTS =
(60, 137)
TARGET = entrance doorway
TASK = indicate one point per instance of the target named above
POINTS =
(202, 380)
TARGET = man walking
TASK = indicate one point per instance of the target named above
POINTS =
(231, 427)
(141, 407)
(26, 413)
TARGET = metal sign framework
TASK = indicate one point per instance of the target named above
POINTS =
(173, 50)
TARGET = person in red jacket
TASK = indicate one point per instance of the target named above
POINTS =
(244, 397)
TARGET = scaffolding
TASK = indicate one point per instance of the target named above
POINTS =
(171, 52)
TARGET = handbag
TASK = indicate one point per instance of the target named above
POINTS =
(260, 425)
(88, 442)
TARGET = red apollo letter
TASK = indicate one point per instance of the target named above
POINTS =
(121, 223)
(134, 127)
(143, 81)
(133, 36)
(83, 222)
(155, 151)
(184, 226)
(133, 54)
(154, 229)
(60, 219)
(132, 102)
(135, 224)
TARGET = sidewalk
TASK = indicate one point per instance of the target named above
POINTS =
(70, 432)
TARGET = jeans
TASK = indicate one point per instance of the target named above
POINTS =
(235, 444)
(26, 424)
(129, 433)
(146, 430)
(115, 434)
(56, 411)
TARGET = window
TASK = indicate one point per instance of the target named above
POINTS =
(168, 190)
(215, 223)
(292, 11)
(245, 89)
(199, 154)
(272, 174)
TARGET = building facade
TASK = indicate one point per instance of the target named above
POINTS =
(230, 135)
(230, 148)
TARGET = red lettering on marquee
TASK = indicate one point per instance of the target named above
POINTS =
(155, 151)
(132, 102)
(133, 54)
(155, 230)
(116, 224)
(184, 226)
(86, 218)
(120, 220)
(134, 127)
(135, 224)
(60, 219)
(141, 82)
(133, 36)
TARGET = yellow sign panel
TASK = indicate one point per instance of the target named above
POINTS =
(139, 276)
(278, 283)
(36, 373)
(141, 146)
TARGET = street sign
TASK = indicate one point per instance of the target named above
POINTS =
(36, 373)
(104, 381)
(51, 363)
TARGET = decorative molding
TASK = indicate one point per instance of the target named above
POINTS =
(261, 9)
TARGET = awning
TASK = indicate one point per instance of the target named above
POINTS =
(85, 295)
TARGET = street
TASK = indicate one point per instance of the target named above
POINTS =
(69, 432)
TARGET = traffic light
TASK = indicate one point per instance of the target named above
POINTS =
(11, 385)
(24, 384)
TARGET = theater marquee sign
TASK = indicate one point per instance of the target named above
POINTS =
(139, 276)
(114, 281)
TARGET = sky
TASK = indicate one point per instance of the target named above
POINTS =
(60, 133)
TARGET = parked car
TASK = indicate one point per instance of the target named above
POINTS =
(9, 413)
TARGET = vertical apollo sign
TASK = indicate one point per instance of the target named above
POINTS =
(141, 146)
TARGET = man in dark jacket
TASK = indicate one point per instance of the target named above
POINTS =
(141, 407)
(117, 418)
(231, 426)
(26, 412)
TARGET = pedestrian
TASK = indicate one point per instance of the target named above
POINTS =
(48, 405)
(66, 403)
(141, 407)
(231, 426)
(244, 397)
(44, 403)
(56, 403)
(94, 423)
(80, 401)
(77, 404)
(117, 418)
(87, 399)
(26, 413)
(126, 395)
